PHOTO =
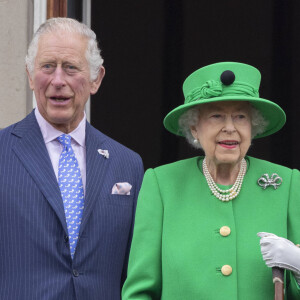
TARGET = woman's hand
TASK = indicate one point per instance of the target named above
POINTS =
(280, 252)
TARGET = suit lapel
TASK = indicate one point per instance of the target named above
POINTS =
(33, 154)
(96, 167)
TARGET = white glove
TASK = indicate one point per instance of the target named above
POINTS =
(280, 252)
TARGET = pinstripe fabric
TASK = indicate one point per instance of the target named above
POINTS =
(34, 253)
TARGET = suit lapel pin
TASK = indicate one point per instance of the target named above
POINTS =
(265, 180)
(105, 153)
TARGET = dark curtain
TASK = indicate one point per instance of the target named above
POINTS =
(150, 47)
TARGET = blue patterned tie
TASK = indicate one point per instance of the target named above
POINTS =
(71, 188)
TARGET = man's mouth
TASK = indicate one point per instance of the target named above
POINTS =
(59, 98)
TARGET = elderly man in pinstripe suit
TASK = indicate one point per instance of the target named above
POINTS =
(67, 191)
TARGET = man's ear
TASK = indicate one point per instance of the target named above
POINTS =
(97, 82)
(30, 79)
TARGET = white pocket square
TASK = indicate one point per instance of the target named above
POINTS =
(121, 188)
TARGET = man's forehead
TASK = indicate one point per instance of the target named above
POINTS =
(69, 47)
(63, 37)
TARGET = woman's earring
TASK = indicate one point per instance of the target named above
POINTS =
(195, 141)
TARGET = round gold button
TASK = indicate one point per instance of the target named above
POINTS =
(226, 270)
(225, 231)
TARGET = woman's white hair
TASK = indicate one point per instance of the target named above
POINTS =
(54, 25)
(191, 118)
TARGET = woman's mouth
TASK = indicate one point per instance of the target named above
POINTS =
(228, 144)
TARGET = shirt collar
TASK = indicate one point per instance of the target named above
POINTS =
(50, 133)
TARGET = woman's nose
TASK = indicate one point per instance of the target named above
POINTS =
(229, 125)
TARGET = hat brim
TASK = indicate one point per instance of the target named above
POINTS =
(272, 112)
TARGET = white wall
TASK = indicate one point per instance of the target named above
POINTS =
(16, 26)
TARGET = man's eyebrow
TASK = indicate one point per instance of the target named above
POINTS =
(47, 60)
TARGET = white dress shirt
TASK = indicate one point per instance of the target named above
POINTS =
(54, 147)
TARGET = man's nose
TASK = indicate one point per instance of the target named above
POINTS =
(58, 79)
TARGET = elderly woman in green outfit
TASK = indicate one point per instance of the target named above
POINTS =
(197, 220)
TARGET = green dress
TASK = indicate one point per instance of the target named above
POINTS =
(178, 250)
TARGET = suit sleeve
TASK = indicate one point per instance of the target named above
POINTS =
(144, 270)
(293, 289)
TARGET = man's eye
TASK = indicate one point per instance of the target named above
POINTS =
(70, 67)
(47, 66)
(216, 116)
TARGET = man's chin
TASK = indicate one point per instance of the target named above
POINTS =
(63, 122)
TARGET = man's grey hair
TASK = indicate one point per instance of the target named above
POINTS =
(53, 25)
(191, 118)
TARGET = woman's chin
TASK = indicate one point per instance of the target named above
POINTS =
(230, 159)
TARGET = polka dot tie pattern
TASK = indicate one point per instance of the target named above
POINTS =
(71, 188)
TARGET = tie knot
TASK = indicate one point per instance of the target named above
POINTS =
(65, 140)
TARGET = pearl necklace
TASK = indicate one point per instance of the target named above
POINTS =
(225, 195)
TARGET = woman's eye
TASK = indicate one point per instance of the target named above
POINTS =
(241, 117)
(216, 116)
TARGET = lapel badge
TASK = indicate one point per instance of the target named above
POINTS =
(265, 180)
(105, 153)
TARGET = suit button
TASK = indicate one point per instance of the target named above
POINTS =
(226, 270)
(225, 231)
(75, 273)
(66, 238)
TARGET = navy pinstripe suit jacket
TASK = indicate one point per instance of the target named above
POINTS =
(35, 261)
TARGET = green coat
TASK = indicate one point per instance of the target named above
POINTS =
(177, 250)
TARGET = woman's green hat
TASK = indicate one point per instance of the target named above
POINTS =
(226, 81)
